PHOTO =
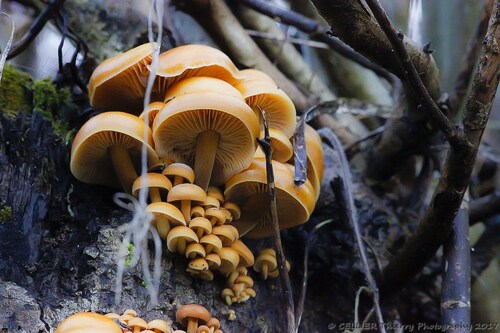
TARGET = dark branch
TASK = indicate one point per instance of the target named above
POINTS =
(455, 296)
(35, 28)
(437, 222)
(280, 256)
(453, 134)
(317, 32)
(484, 207)
(469, 61)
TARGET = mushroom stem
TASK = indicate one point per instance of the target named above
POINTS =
(192, 325)
(206, 148)
(123, 166)
(265, 271)
(186, 210)
(154, 194)
(163, 226)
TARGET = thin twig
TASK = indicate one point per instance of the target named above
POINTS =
(469, 61)
(435, 226)
(35, 28)
(317, 32)
(293, 40)
(344, 184)
(453, 134)
(455, 296)
(484, 207)
(340, 105)
(280, 256)
(299, 309)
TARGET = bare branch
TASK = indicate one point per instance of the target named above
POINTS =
(470, 60)
(453, 134)
(317, 32)
(437, 222)
(455, 296)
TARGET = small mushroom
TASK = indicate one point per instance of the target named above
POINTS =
(246, 256)
(197, 211)
(180, 172)
(227, 295)
(179, 237)
(194, 250)
(265, 262)
(165, 215)
(201, 226)
(190, 315)
(107, 150)
(214, 324)
(199, 268)
(88, 322)
(185, 194)
(227, 234)
(213, 260)
(137, 324)
(130, 312)
(210, 202)
(215, 192)
(216, 216)
(159, 326)
(212, 243)
(155, 183)
(229, 260)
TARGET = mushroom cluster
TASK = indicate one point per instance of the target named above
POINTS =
(195, 317)
(207, 183)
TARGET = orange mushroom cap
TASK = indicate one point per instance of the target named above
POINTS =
(279, 108)
(90, 159)
(249, 190)
(88, 322)
(193, 60)
(119, 82)
(201, 84)
(179, 124)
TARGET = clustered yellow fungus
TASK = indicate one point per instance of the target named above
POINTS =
(207, 183)
(194, 317)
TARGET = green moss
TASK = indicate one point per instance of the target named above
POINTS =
(15, 91)
(50, 101)
(130, 256)
(18, 92)
(6, 214)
